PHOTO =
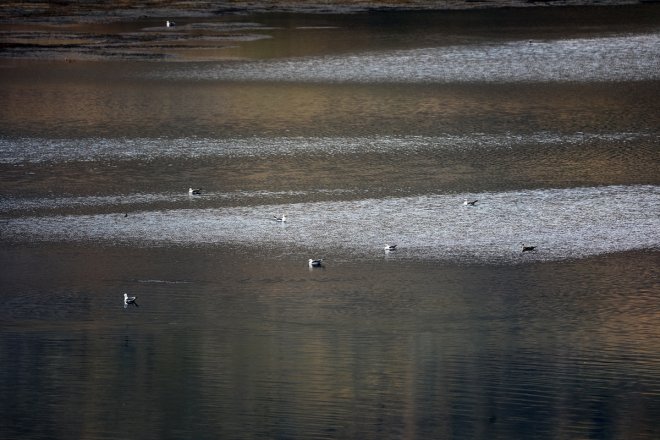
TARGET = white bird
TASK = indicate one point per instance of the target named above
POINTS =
(467, 202)
(527, 248)
(390, 247)
(315, 263)
(129, 300)
(280, 219)
(194, 191)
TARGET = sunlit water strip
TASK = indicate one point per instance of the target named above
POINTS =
(612, 58)
(40, 150)
(14, 205)
(562, 223)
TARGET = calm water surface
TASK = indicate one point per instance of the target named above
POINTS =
(364, 130)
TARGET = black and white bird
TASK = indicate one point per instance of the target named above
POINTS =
(129, 300)
(527, 248)
(194, 191)
(390, 247)
(280, 219)
(315, 263)
(169, 23)
(467, 202)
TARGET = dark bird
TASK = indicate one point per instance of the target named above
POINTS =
(527, 248)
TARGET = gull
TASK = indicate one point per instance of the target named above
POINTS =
(467, 202)
(280, 219)
(194, 191)
(390, 247)
(129, 300)
(315, 263)
(527, 248)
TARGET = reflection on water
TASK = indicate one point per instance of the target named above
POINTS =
(123, 106)
(363, 130)
(36, 150)
(602, 59)
(247, 342)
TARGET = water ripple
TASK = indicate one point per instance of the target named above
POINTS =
(629, 57)
(39, 150)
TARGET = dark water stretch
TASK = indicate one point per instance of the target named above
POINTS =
(364, 130)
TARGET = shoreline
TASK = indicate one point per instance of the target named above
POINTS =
(100, 12)
(92, 31)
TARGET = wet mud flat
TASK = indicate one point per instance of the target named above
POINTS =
(197, 31)
(118, 10)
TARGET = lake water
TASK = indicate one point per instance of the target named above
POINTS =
(364, 130)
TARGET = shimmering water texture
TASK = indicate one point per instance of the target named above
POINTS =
(38, 150)
(364, 130)
(630, 57)
(563, 224)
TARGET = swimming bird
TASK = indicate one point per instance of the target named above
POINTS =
(315, 263)
(169, 23)
(390, 247)
(194, 191)
(129, 300)
(527, 248)
(280, 219)
(467, 202)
